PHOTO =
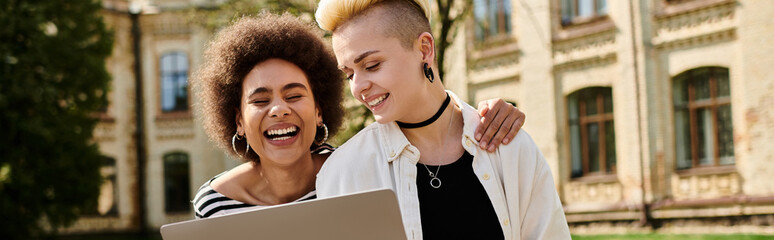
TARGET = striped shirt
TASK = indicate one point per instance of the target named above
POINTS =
(210, 203)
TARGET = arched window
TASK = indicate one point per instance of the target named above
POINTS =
(176, 182)
(592, 134)
(174, 82)
(704, 134)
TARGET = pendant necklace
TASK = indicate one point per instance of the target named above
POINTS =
(435, 182)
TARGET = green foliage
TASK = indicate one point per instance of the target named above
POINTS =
(218, 15)
(445, 22)
(52, 80)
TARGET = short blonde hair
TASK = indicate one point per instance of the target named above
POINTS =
(332, 13)
(404, 20)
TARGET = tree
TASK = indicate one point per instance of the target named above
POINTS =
(450, 13)
(216, 15)
(52, 82)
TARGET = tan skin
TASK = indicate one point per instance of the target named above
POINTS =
(503, 115)
(276, 95)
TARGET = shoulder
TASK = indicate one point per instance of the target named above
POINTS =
(521, 151)
(523, 140)
(206, 197)
(204, 191)
(235, 179)
(365, 139)
(210, 202)
(520, 143)
(359, 164)
(369, 133)
(323, 149)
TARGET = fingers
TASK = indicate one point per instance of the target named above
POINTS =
(515, 126)
(483, 108)
(486, 116)
(506, 129)
(501, 111)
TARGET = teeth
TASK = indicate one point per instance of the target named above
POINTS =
(377, 100)
(282, 131)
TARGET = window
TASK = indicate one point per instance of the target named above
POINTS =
(176, 183)
(174, 82)
(677, 1)
(703, 126)
(574, 11)
(106, 202)
(492, 19)
(592, 134)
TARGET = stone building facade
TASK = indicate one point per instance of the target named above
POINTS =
(177, 156)
(653, 114)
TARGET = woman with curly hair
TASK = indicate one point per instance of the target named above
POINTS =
(271, 95)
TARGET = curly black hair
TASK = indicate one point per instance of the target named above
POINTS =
(249, 41)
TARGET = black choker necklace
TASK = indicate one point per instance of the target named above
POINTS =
(428, 121)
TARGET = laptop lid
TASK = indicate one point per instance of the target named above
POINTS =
(366, 215)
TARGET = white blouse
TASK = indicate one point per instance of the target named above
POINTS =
(516, 177)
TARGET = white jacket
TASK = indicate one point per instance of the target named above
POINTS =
(516, 177)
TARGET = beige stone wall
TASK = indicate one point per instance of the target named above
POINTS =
(174, 132)
(164, 29)
(755, 96)
(536, 77)
(637, 49)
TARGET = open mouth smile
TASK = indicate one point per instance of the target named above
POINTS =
(376, 101)
(281, 134)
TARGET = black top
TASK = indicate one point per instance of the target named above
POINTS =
(460, 208)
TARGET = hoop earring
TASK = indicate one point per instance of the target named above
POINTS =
(428, 72)
(247, 149)
(233, 145)
(325, 129)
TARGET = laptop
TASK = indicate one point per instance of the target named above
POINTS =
(364, 215)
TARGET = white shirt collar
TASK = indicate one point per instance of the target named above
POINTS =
(396, 142)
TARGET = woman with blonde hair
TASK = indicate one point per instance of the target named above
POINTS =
(271, 96)
(423, 144)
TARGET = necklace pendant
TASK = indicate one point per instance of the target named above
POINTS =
(435, 182)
